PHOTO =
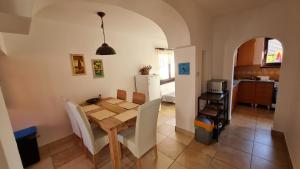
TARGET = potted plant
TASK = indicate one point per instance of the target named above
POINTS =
(145, 70)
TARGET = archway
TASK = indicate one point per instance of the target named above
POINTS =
(255, 78)
(166, 17)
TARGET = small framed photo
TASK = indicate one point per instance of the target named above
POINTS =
(184, 68)
(78, 65)
(98, 69)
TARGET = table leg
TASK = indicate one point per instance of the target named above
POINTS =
(114, 148)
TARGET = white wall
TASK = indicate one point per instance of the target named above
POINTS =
(200, 26)
(233, 30)
(37, 73)
(185, 89)
(9, 155)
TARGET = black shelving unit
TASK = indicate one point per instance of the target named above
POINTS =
(216, 108)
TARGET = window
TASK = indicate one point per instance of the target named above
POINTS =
(167, 65)
(273, 53)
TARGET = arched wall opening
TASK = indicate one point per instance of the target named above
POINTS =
(61, 29)
(165, 16)
(255, 75)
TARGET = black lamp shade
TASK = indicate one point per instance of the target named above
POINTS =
(105, 49)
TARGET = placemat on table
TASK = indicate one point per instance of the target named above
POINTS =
(127, 115)
(128, 105)
(114, 101)
(103, 114)
(90, 107)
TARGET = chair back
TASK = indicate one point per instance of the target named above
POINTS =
(121, 94)
(138, 98)
(146, 124)
(71, 115)
(85, 127)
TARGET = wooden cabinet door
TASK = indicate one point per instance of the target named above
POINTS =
(234, 96)
(245, 56)
(264, 93)
(246, 92)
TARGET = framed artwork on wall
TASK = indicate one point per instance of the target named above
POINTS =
(184, 68)
(98, 69)
(78, 65)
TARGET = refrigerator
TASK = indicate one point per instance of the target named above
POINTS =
(149, 85)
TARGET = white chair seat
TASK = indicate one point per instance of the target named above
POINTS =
(101, 139)
(127, 138)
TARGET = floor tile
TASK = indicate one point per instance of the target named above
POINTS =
(150, 162)
(160, 137)
(236, 142)
(216, 164)
(63, 144)
(233, 157)
(176, 165)
(171, 148)
(242, 132)
(209, 150)
(193, 159)
(166, 129)
(266, 137)
(66, 156)
(81, 162)
(259, 163)
(271, 154)
(43, 164)
(181, 138)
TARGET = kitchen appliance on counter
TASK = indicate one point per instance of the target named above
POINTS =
(217, 86)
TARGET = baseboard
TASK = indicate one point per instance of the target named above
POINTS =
(277, 134)
(183, 131)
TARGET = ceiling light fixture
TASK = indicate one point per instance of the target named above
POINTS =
(104, 49)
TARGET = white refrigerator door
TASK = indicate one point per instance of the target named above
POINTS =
(154, 87)
(141, 83)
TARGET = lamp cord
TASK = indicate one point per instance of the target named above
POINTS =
(102, 26)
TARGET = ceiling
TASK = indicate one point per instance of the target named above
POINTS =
(117, 19)
(224, 7)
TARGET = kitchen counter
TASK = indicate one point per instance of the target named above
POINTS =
(236, 82)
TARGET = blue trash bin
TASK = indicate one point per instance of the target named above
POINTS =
(27, 145)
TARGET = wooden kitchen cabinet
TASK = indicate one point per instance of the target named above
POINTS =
(264, 93)
(235, 96)
(246, 92)
(245, 55)
(255, 92)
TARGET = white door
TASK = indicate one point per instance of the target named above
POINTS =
(185, 88)
(9, 151)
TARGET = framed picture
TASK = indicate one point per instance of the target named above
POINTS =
(98, 70)
(184, 68)
(78, 65)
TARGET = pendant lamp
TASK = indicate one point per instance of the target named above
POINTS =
(104, 49)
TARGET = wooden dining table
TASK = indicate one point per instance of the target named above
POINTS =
(112, 126)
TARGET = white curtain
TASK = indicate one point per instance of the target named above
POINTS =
(166, 59)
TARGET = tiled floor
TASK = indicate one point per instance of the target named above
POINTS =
(246, 143)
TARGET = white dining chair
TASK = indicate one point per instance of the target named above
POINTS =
(71, 115)
(94, 140)
(141, 138)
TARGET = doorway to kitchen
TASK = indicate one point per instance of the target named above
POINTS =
(257, 65)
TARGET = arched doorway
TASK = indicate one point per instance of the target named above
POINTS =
(256, 71)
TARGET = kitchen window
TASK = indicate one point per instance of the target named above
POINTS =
(167, 65)
(273, 53)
